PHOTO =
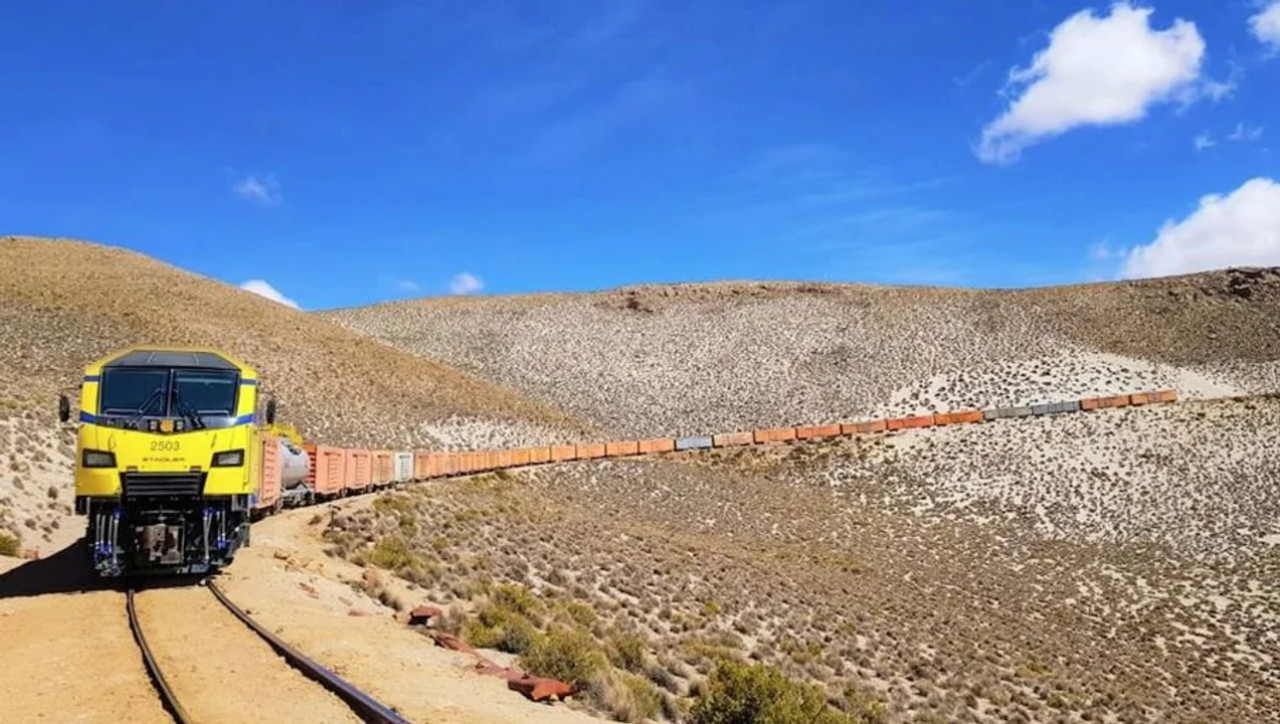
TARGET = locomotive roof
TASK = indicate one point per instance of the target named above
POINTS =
(171, 358)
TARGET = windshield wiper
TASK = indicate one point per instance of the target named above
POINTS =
(137, 415)
(189, 415)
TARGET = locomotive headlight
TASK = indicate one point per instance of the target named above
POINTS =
(228, 459)
(98, 459)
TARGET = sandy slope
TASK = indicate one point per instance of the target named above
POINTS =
(63, 303)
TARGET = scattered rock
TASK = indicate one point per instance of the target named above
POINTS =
(423, 614)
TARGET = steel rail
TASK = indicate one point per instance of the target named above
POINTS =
(365, 706)
(170, 700)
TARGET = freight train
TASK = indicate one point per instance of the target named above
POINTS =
(172, 464)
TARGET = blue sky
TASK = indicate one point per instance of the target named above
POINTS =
(353, 152)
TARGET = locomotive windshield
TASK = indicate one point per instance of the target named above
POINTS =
(133, 392)
(205, 392)
(168, 392)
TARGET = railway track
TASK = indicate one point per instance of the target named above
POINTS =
(170, 700)
(359, 705)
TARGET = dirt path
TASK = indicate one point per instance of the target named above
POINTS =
(288, 585)
(214, 664)
(70, 657)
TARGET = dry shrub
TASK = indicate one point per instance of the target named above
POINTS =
(9, 543)
(626, 651)
(625, 696)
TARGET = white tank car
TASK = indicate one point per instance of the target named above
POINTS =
(294, 466)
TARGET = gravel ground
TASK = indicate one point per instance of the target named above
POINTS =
(1187, 478)
(207, 654)
(70, 657)
(690, 359)
(36, 492)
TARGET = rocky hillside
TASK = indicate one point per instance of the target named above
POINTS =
(685, 359)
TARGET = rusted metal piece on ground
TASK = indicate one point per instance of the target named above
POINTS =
(422, 614)
(449, 641)
(537, 688)
(486, 667)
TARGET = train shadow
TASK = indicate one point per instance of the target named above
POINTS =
(70, 570)
(67, 571)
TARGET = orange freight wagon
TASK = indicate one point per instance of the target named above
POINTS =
(621, 448)
(560, 453)
(383, 468)
(328, 471)
(268, 498)
(588, 450)
(359, 470)
(659, 445)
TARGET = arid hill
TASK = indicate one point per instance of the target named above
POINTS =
(696, 358)
(64, 303)
(1099, 566)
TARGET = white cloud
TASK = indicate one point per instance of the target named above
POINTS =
(263, 190)
(1239, 229)
(1104, 251)
(1098, 71)
(407, 285)
(1266, 25)
(1245, 133)
(263, 289)
(465, 283)
(1203, 141)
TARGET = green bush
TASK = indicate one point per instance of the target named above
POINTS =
(9, 544)
(738, 693)
(500, 626)
(580, 613)
(392, 553)
(568, 655)
(515, 598)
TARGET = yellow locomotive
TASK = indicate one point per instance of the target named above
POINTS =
(168, 459)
